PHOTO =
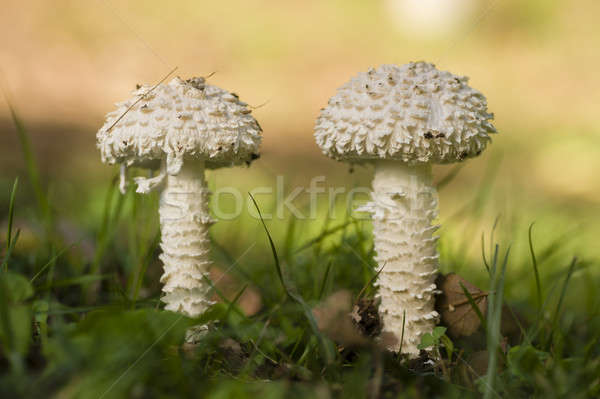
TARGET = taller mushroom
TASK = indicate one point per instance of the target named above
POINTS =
(403, 119)
(181, 128)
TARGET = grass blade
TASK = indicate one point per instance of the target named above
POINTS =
(52, 261)
(13, 243)
(32, 170)
(369, 283)
(143, 266)
(272, 245)
(290, 235)
(402, 333)
(536, 273)
(485, 262)
(325, 346)
(324, 282)
(79, 280)
(237, 297)
(495, 299)
(493, 232)
(561, 299)
(492, 270)
(473, 305)
(11, 213)
(323, 235)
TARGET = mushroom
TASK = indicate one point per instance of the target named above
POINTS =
(403, 119)
(181, 128)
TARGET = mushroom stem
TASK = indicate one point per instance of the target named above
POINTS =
(403, 209)
(184, 223)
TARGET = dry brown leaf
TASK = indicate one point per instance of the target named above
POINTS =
(366, 318)
(453, 305)
(250, 302)
(511, 324)
(334, 319)
(478, 363)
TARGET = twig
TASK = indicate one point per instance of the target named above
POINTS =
(260, 105)
(140, 99)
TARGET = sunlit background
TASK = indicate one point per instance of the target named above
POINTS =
(64, 63)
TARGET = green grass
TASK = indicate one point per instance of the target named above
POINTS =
(88, 323)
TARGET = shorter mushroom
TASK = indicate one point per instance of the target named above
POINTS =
(181, 128)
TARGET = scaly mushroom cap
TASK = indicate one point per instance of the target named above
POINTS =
(412, 113)
(180, 120)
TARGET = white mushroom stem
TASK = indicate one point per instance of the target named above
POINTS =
(184, 223)
(403, 209)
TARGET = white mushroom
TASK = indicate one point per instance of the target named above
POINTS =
(404, 119)
(183, 127)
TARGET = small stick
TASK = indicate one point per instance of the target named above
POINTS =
(474, 297)
(140, 99)
(260, 105)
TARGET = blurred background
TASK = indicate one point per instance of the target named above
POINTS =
(64, 63)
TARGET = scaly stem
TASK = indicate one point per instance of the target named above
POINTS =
(403, 209)
(184, 223)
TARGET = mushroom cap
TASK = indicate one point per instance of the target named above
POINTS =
(184, 119)
(412, 113)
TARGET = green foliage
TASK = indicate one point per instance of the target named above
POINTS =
(134, 345)
(15, 317)
(525, 361)
(326, 346)
(496, 292)
(432, 339)
(88, 323)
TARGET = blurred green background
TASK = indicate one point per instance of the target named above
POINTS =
(64, 63)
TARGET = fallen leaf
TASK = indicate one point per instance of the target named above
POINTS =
(454, 307)
(233, 353)
(334, 319)
(478, 363)
(250, 302)
(366, 317)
